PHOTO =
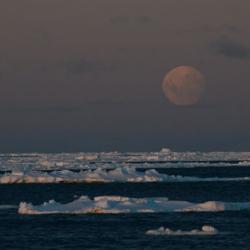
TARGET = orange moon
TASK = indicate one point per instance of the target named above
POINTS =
(184, 85)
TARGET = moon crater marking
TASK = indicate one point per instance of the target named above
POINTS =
(184, 85)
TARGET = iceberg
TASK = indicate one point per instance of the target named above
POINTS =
(120, 204)
(205, 230)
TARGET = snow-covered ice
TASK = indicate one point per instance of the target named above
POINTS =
(205, 230)
(84, 160)
(125, 174)
(119, 204)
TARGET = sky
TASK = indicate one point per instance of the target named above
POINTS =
(86, 75)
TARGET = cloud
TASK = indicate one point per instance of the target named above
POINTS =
(124, 20)
(231, 48)
(41, 37)
(220, 29)
(119, 20)
(80, 66)
(225, 30)
(143, 19)
(76, 67)
(41, 109)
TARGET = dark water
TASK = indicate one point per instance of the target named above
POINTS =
(208, 171)
(127, 231)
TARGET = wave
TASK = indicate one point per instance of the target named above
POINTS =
(125, 174)
(120, 204)
(205, 230)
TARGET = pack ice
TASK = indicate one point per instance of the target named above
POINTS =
(124, 174)
(119, 204)
(165, 158)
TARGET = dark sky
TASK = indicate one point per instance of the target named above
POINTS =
(86, 75)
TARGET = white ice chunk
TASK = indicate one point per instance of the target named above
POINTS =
(119, 204)
(205, 230)
(123, 174)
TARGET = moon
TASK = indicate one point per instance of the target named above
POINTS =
(184, 85)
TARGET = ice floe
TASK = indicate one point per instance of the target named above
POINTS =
(99, 175)
(125, 174)
(205, 230)
(119, 204)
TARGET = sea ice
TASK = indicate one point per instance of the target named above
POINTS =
(205, 230)
(119, 204)
(85, 160)
(125, 174)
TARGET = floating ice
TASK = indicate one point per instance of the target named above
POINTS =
(205, 230)
(125, 174)
(165, 158)
(119, 204)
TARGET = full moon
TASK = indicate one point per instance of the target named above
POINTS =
(184, 85)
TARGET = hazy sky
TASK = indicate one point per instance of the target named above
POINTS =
(86, 75)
